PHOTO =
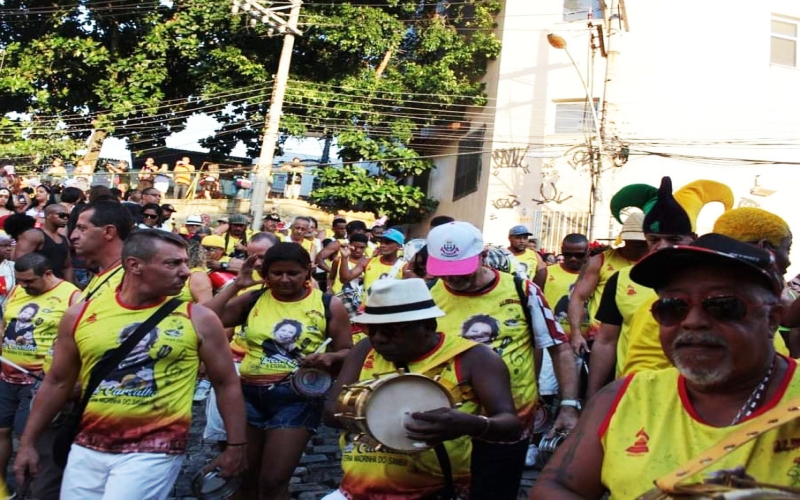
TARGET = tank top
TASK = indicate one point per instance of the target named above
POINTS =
(652, 429)
(186, 291)
(31, 328)
(377, 269)
(337, 281)
(145, 405)
(495, 317)
(56, 253)
(238, 343)
(612, 261)
(387, 474)
(104, 282)
(527, 262)
(557, 290)
(279, 334)
(644, 346)
(629, 297)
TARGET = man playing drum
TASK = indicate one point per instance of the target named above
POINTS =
(400, 317)
(718, 306)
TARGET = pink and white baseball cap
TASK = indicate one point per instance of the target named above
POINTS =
(454, 249)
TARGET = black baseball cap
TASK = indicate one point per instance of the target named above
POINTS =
(656, 269)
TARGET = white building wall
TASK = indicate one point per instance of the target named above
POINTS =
(694, 85)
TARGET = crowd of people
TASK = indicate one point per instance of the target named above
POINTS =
(449, 364)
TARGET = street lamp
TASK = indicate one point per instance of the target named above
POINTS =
(558, 42)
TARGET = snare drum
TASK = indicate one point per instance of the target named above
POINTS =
(311, 382)
(377, 410)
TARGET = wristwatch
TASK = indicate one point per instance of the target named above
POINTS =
(575, 403)
(224, 266)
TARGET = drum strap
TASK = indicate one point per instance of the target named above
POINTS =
(449, 492)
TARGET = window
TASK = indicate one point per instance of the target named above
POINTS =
(581, 10)
(783, 44)
(468, 165)
(574, 117)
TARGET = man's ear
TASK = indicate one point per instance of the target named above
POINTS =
(133, 265)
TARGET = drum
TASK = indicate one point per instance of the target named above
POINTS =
(377, 410)
(219, 279)
(311, 382)
(210, 486)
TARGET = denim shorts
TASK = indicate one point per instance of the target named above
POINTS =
(15, 405)
(279, 407)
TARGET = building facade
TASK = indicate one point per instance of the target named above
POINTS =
(694, 90)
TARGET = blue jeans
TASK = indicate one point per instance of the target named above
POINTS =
(279, 407)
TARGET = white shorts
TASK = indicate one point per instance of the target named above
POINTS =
(95, 475)
(215, 427)
(548, 383)
(335, 495)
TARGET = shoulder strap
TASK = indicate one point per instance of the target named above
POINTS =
(97, 288)
(253, 296)
(431, 283)
(326, 305)
(107, 365)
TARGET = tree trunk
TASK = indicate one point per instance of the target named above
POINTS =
(93, 150)
(384, 64)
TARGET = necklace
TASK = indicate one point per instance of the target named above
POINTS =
(755, 398)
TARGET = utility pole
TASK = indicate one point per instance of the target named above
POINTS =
(612, 17)
(274, 15)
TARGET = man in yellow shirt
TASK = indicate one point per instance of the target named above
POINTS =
(532, 264)
(182, 178)
(718, 305)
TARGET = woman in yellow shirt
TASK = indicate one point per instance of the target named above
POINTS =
(287, 324)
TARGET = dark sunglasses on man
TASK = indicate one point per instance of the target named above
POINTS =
(671, 311)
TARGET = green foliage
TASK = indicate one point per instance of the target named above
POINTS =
(374, 74)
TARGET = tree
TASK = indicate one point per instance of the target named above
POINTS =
(377, 75)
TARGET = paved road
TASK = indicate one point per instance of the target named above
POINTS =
(319, 471)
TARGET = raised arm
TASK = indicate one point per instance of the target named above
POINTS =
(584, 287)
(325, 254)
(348, 274)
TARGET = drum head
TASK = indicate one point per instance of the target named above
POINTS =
(311, 382)
(390, 408)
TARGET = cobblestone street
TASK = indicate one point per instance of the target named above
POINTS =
(318, 473)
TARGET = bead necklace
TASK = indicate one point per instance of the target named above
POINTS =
(755, 398)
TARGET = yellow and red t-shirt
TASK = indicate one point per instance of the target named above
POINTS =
(145, 405)
(279, 334)
(557, 290)
(653, 428)
(31, 326)
(528, 262)
(370, 473)
(496, 317)
(612, 261)
(375, 270)
(104, 282)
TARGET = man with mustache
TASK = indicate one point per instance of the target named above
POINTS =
(718, 307)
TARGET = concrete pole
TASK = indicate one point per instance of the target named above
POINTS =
(265, 160)
(601, 217)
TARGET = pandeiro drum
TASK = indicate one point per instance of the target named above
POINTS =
(377, 410)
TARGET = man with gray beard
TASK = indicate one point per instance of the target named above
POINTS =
(718, 307)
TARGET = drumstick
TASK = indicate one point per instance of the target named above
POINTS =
(323, 345)
(19, 368)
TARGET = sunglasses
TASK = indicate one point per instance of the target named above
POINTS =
(149, 216)
(63, 215)
(724, 308)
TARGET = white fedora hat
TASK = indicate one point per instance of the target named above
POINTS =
(396, 301)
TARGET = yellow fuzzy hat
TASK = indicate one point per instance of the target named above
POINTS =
(751, 225)
(695, 195)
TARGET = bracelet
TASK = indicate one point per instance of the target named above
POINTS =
(237, 444)
(485, 429)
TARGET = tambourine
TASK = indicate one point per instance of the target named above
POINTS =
(211, 486)
(548, 446)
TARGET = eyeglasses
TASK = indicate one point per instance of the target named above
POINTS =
(725, 308)
(149, 216)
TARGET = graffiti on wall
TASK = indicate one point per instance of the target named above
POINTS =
(509, 158)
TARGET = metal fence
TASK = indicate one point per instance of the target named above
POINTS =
(552, 227)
